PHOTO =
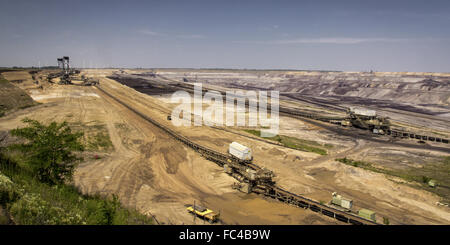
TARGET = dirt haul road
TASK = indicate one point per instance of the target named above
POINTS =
(300, 173)
(180, 176)
(157, 175)
(146, 168)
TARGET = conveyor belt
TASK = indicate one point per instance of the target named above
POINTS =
(297, 113)
(270, 190)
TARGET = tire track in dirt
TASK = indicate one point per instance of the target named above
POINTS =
(190, 186)
(133, 170)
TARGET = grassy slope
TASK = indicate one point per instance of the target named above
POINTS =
(29, 201)
(295, 143)
(438, 171)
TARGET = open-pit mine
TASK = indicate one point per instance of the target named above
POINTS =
(352, 147)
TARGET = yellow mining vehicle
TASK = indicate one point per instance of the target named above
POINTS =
(203, 212)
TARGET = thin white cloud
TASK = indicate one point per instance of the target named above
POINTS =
(190, 36)
(160, 34)
(268, 28)
(338, 40)
(150, 33)
(414, 15)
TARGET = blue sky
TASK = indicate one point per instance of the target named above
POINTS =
(318, 35)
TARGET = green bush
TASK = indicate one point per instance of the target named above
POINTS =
(4, 220)
(9, 192)
(426, 179)
(30, 210)
(30, 199)
(39, 209)
(106, 211)
(49, 149)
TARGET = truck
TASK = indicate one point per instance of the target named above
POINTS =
(204, 213)
(240, 152)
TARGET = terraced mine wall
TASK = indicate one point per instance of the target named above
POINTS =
(141, 85)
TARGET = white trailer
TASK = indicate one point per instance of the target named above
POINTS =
(363, 112)
(239, 151)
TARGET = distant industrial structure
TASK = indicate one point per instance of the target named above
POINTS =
(64, 64)
(66, 75)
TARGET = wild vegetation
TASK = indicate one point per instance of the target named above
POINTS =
(100, 141)
(95, 136)
(437, 171)
(49, 150)
(295, 143)
(35, 182)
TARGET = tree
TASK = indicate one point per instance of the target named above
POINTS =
(106, 211)
(49, 150)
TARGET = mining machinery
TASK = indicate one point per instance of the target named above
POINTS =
(67, 74)
(251, 177)
(366, 119)
(203, 212)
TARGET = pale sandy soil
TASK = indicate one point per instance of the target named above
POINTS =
(157, 175)
(317, 177)
(148, 169)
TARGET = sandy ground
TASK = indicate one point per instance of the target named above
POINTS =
(157, 175)
(149, 170)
